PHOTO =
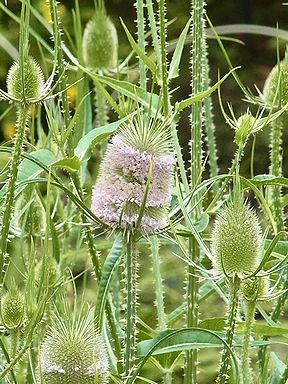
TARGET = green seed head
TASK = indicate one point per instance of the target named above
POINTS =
(53, 272)
(33, 80)
(12, 309)
(276, 84)
(236, 240)
(29, 212)
(73, 354)
(100, 42)
(254, 288)
(244, 127)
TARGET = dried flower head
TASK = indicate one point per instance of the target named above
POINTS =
(120, 188)
(236, 239)
(100, 42)
(72, 353)
(12, 308)
(33, 80)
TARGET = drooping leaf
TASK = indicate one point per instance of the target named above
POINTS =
(69, 164)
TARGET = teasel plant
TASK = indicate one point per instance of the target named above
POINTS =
(100, 54)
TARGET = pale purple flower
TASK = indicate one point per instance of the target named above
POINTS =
(120, 188)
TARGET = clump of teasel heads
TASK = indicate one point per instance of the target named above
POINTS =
(72, 353)
(139, 154)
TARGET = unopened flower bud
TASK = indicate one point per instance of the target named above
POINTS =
(100, 42)
(244, 128)
(236, 240)
(12, 309)
(254, 288)
(33, 80)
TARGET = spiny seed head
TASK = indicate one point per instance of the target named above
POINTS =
(276, 84)
(244, 128)
(100, 42)
(236, 239)
(33, 80)
(255, 288)
(12, 308)
(73, 354)
(53, 272)
(120, 189)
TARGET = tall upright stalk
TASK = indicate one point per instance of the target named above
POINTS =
(197, 84)
(131, 291)
(245, 360)
(223, 375)
(164, 72)
(141, 40)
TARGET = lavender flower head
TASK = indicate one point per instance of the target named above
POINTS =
(120, 188)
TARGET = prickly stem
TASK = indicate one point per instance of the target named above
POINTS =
(23, 116)
(131, 297)
(276, 159)
(245, 360)
(141, 40)
(223, 374)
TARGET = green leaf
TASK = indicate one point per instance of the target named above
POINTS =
(200, 96)
(148, 100)
(218, 324)
(178, 341)
(174, 66)
(110, 265)
(85, 145)
(69, 164)
(270, 180)
(146, 60)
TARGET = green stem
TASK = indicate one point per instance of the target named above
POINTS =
(223, 375)
(14, 335)
(23, 115)
(158, 283)
(159, 295)
(141, 40)
(276, 158)
(197, 85)
(153, 28)
(245, 360)
(210, 129)
(164, 72)
(130, 334)
(100, 108)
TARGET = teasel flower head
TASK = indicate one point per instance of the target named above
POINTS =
(138, 155)
(72, 353)
(33, 80)
(236, 239)
(275, 91)
(100, 42)
(12, 308)
(255, 288)
(244, 128)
